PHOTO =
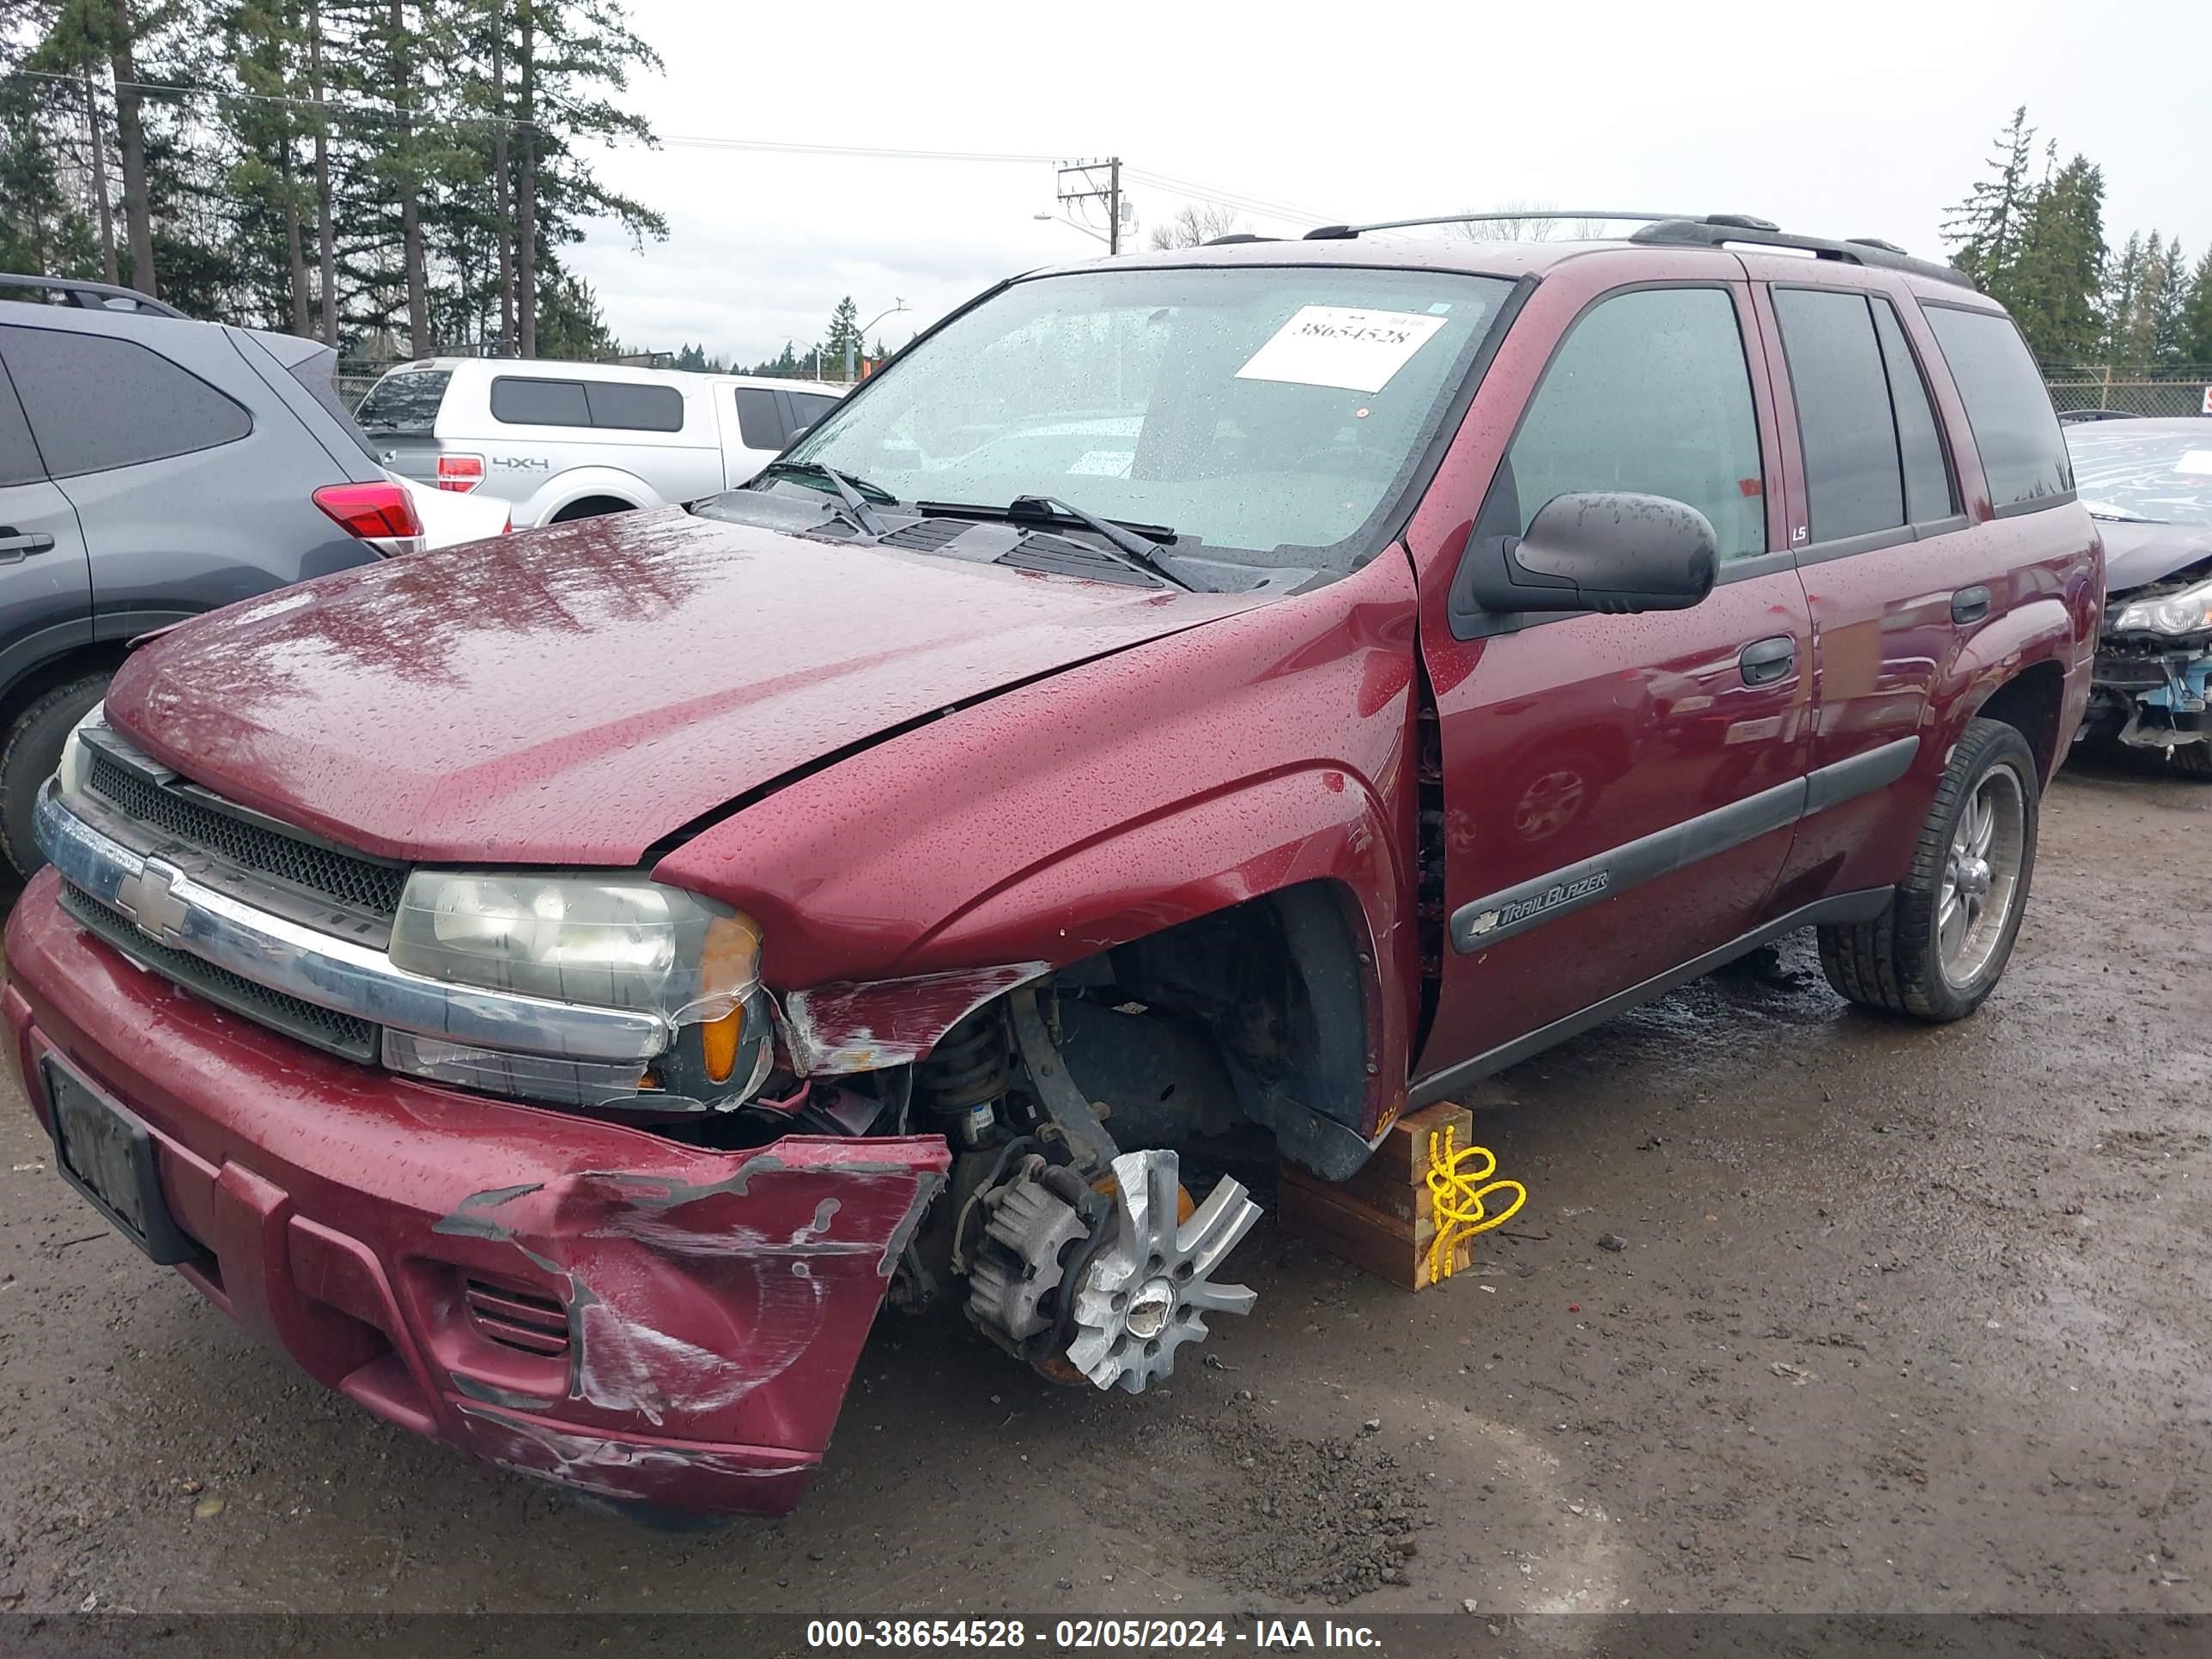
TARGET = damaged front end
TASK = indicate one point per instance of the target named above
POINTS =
(2153, 670)
(2148, 484)
(663, 1325)
(535, 1161)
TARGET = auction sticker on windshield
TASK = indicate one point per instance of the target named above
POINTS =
(1336, 345)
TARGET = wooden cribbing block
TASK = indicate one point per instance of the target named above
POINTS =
(1381, 1219)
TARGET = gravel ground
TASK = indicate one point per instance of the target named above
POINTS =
(1906, 1320)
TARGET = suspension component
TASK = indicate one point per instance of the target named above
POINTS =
(967, 1075)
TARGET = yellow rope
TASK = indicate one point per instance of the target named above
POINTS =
(1455, 1195)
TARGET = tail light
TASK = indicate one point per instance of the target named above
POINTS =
(460, 473)
(374, 512)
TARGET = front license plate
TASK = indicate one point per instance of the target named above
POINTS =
(108, 1155)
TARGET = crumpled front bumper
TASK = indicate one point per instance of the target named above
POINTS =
(2151, 699)
(579, 1300)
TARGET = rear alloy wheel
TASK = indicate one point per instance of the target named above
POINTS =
(1939, 949)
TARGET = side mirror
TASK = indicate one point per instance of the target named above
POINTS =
(1608, 551)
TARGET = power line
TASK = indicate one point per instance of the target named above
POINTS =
(1243, 201)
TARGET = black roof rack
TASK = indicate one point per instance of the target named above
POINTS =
(1858, 251)
(1235, 236)
(1345, 233)
(1703, 230)
(92, 297)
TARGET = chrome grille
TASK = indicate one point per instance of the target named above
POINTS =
(338, 1034)
(357, 882)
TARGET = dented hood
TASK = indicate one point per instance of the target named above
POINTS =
(2138, 554)
(574, 695)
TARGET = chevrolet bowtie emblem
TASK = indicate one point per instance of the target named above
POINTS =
(148, 898)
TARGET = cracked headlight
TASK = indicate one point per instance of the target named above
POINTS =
(609, 941)
(76, 760)
(2189, 611)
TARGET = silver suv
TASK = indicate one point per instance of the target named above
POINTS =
(572, 440)
(153, 467)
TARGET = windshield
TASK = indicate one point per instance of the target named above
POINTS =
(1272, 413)
(2159, 472)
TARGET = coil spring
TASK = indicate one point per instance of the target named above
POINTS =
(969, 1066)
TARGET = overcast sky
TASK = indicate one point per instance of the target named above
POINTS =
(1867, 120)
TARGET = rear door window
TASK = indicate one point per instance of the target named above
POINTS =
(526, 400)
(634, 408)
(403, 404)
(19, 456)
(1929, 497)
(95, 403)
(1854, 480)
(760, 422)
(2023, 452)
(1649, 393)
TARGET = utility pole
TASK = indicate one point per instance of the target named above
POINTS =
(1086, 188)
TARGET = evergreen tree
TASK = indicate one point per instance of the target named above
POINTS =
(844, 335)
(2122, 278)
(2133, 336)
(2058, 270)
(1985, 230)
(2166, 322)
(569, 323)
(2196, 317)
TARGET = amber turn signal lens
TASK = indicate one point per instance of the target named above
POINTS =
(719, 1039)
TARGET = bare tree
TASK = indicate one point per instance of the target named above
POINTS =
(1195, 224)
(1526, 221)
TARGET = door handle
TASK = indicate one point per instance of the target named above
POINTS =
(14, 546)
(1768, 660)
(1970, 605)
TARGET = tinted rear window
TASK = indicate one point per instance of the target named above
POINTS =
(96, 403)
(634, 408)
(808, 407)
(1836, 375)
(19, 458)
(2023, 452)
(313, 372)
(524, 400)
(760, 423)
(404, 404)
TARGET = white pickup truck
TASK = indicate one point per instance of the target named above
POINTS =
(571, 440)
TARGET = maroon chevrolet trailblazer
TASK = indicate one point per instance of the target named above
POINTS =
(560, 990)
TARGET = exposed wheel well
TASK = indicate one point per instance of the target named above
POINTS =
(592, 506)
(1278, 983)
(2030, 702)
(104, 658)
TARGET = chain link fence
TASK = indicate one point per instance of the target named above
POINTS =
(2136, 394)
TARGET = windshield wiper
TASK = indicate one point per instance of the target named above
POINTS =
(1139, 553)
(848, 491)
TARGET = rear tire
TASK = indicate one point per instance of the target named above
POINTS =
(1939, 950)
(32, 752)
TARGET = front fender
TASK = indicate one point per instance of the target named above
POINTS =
(1249, 754)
